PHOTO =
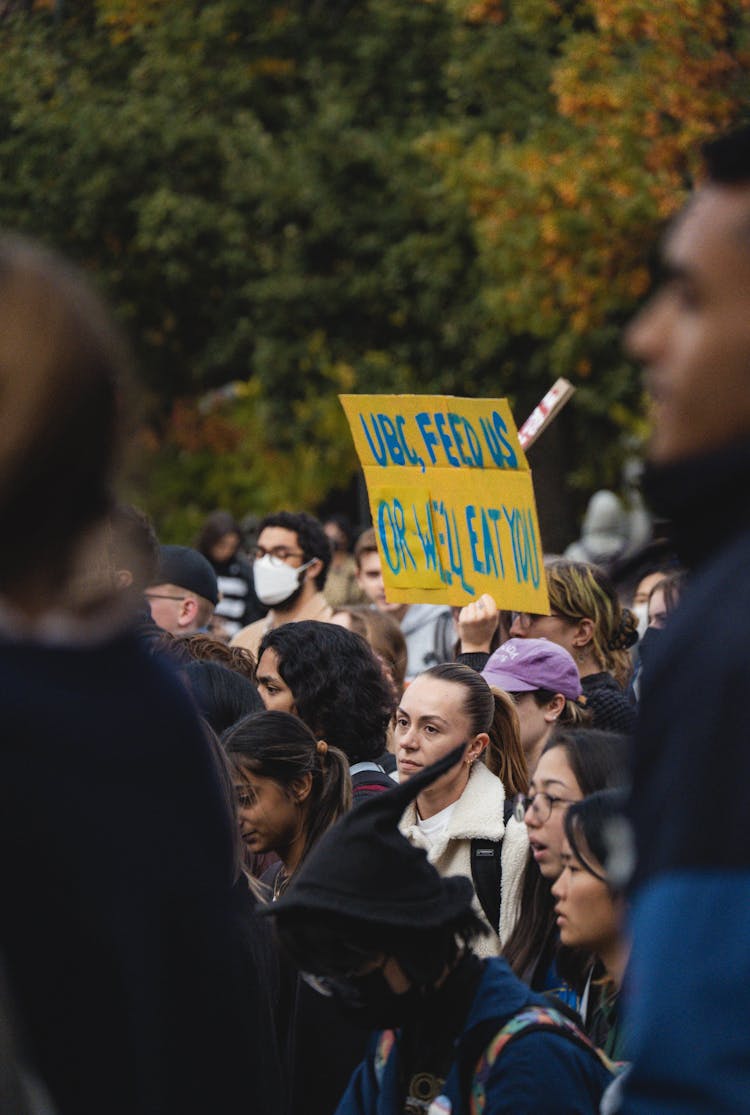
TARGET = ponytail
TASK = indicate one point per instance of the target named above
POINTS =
(280, 746)
(574, 715)
(491, 711)
(331, 794)
(505, 756)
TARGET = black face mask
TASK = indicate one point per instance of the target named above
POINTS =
(370, 1001)
(648, 644)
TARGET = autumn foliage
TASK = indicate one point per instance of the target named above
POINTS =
(290, 199)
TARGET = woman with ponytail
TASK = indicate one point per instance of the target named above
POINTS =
(461, 820)
(290, 787)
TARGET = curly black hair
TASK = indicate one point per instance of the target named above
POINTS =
(312, 539)
(340, 689)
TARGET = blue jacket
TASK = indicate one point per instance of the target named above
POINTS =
(688, 986)
(537, 1074)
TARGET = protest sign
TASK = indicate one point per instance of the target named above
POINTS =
(451, 498)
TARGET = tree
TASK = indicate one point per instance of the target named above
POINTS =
(582, 197)
(282, 200)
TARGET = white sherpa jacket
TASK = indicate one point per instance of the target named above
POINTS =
(478, 815)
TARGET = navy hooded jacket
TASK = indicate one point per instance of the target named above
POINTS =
(689, 978)
(539, 1073)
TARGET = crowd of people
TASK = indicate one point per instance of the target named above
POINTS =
(275, 844)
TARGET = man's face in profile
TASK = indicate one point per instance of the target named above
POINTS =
(693, 337)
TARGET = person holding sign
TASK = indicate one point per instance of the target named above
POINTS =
(587, 620)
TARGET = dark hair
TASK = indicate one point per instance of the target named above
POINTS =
(672, 587)
(223, 696)
(335, 945)
(312, 539)
(384, 635)
(599, 761)
(490, 710)
(279, 746)
(215, 527)
(727, 158)
(203, 648)
(595, 829)
(134, 545)
(343, 522)
(64, 368)
(338, 685)
(223, 771)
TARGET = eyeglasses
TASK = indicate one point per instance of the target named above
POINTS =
(541, 803)
(278, 553)
(161, 596)
(526, 619)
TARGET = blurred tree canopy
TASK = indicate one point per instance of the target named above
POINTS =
(286, 200)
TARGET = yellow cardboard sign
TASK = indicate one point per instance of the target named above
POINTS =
(451, 498)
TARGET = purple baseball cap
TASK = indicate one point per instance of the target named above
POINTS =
(522, 665)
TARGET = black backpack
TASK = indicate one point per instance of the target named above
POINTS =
(487, 872)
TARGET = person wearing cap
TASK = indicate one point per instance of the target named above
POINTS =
(185, 591)
(372, 924)
(543, 681)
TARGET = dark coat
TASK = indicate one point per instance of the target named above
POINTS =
(689, 976)
(239, 603)
(323, 1048)
(537, 1074)
(120, 926)
(611, 710)
(320, 1047)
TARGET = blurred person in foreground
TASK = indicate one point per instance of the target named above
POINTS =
(689, 977)
(371, 924)
(119, 924)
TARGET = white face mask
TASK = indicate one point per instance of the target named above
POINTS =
(640, 611)
(275, 581)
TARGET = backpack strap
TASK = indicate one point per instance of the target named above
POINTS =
(487, 877)
(487, 872)
(529, 1020)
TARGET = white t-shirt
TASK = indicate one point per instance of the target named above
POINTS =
(434, 826)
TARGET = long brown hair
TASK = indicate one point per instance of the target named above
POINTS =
(491, 711)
